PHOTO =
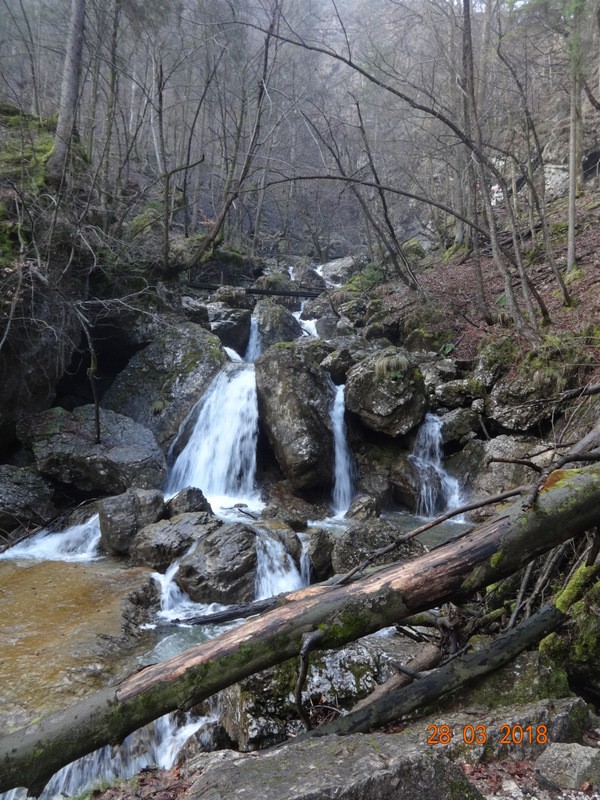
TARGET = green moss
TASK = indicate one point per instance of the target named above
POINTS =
(372, 275)
(574, 590)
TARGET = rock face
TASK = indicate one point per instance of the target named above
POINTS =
(161, 383)
(275, 324)
(122, 516)
(24, 497)
(64, 448)
(569, 766)
(295, 398)
(231, 325)
(347, 768)
(159, 544)
(386, 390)
(222, 568)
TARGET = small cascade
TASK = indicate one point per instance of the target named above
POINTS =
(305, 565)
(157, 744)
(309, 326)
(439, 491)
(77, 543)
(220, 455)
(254, 349)
(276, 571)
(343, 484)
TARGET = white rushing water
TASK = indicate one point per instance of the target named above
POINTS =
(343, 484)
(220, 455)
(254, 348)
(275, 569)
(77, 543)
(157, 744)
(439, 491)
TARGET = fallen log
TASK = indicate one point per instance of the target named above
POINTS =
(567, 506)
(391, 706)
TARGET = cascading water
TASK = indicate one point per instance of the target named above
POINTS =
(439, 491)
(275, 569)
(77, 543)
(254, 348)
(343, 484)
(157, 744)
(220, 455)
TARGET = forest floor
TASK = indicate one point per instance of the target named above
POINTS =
(450, 285)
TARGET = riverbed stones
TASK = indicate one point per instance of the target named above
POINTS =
(347, 768)
(386, 390)
(122, 516)
(295, 398)
(162, 383)
(64, 447)
(222, 568)
(161, 543)
(24, 497)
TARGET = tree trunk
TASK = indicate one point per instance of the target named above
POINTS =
(567, 506)
(69, 94)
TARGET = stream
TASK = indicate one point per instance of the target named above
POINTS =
(74, 593)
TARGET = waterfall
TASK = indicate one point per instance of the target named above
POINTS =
(220, 455)
(77, 543)
(157, 744)
(254, 348)
(343, 484)
(439, 491)
(309, 326)
(275, 570)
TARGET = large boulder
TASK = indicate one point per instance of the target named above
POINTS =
(63, 444)
(348, 768)
(295, 398)
(122, 516)
(161, 543)
(222, 568)
(161, 383)
(275, 323)
(24, 497)
(348, 352)
(231, 325)
(386, 390)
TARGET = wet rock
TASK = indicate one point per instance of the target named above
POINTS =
(231, 325)
(159, 544)
(326, 318)
(386, 390)
(437, 372)
(340, 270)
(187, 500)
(360, 540)
(295, 398)
(162, 383)
(121, 517)
(275, 323)
(64, 448)
(286, 506)
(348, 352)
(24, 497)
(406, 482)
(569, 766)
(364, 506)
(222, 568)
(458, 425)
(347, 768)
(309, 278)
(319, 545)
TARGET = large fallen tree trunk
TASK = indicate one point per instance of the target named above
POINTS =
(567, 506)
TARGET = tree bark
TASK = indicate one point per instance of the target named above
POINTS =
(567, 506)
(69, 94)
